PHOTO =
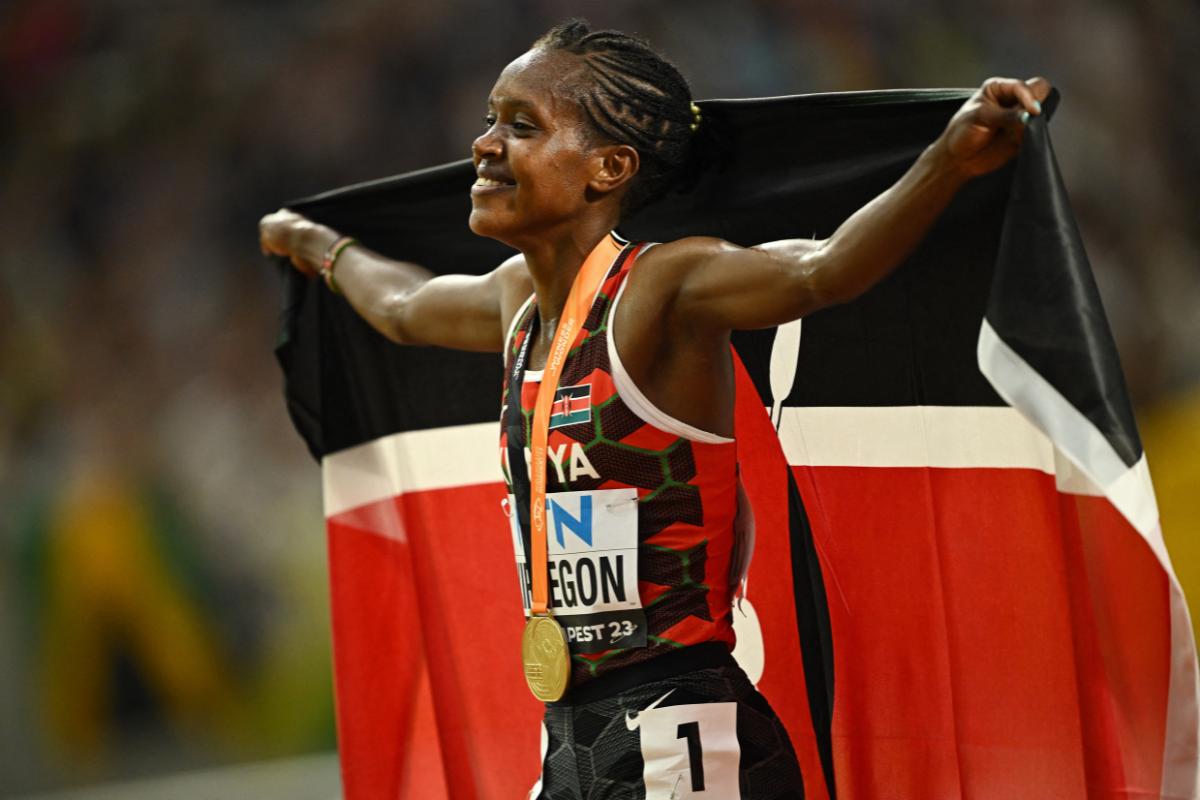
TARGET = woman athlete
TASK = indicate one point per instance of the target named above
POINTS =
(581, 131)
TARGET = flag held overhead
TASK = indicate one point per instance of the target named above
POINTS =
(959, 576)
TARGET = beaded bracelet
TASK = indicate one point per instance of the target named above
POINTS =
(331, 257)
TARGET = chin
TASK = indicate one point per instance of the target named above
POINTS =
(480, 224)
(488, 225)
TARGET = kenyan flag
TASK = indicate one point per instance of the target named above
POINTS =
(959, 587)
(572, 405)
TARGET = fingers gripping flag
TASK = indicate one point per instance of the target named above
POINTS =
(959, 586)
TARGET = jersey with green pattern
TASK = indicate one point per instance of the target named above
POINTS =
(686, 489)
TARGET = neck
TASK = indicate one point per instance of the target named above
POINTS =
(553, 263)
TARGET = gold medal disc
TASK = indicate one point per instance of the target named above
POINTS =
(545, 658)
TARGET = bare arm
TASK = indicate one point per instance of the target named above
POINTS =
(406, 302)
(719, 286)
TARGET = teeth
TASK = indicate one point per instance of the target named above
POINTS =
(488, 182)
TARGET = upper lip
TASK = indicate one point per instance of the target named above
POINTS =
(493, 173)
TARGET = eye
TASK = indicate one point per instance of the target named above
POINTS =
(523, 125)
(489, 120)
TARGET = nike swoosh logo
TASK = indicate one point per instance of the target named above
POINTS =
(632, 721)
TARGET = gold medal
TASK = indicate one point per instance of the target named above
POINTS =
(545, 658)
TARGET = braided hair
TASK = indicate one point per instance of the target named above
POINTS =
(635, 97)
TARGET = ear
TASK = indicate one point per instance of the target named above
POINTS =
(618, 164)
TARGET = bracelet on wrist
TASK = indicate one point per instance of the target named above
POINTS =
(331, 256)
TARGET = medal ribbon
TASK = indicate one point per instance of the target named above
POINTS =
(579, 303)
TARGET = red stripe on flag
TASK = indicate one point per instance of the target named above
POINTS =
(387, 731)
(1121, 616)
(458, 615)
(993, 638)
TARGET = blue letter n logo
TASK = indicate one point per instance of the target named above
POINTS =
(581, 527)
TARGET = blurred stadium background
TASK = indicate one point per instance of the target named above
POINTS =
(163, 601)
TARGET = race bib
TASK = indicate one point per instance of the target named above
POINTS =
(689, 751)
(592, 550)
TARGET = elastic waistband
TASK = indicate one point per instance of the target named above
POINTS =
(708, 655)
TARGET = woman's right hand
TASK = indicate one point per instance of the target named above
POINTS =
(304, 242)
(404, 301)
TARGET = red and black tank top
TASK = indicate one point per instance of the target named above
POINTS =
(640, 506)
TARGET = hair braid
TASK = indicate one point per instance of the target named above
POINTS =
(636, 97)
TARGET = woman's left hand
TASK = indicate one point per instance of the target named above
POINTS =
(987, 131)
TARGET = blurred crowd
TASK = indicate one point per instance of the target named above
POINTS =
(162, 578)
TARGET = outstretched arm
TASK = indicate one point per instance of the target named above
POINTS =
(406, 302)
(723, 287)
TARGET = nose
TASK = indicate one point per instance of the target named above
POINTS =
(487, 145)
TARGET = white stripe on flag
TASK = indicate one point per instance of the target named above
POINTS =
(913, 436)
(1073, 434)
(905, 436)
(413, 461)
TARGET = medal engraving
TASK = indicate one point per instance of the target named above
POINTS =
(545, 658)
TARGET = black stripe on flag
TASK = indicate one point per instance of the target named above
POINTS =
(1045, 306)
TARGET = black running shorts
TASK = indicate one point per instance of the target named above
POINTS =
(637, 734)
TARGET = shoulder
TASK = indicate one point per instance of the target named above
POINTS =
(666, 267)
(687, 253)
(670, 270)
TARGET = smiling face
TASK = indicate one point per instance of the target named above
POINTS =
(537, 164)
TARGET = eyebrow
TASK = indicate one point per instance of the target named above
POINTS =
(515, 102)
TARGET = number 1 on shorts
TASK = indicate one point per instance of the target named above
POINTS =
(690, 751)
(691, 732)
